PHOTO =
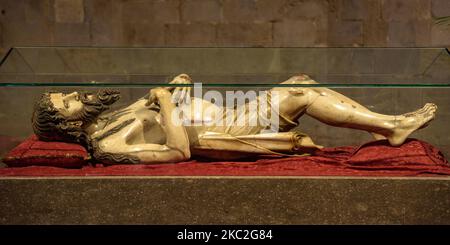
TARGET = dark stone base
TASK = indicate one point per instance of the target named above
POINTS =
(224, 200)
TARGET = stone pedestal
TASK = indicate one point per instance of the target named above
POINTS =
(225, 200)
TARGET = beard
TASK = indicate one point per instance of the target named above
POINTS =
(95, 104)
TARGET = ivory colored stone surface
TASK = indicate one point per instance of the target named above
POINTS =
(225, 200)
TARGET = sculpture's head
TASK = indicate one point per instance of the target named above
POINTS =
(63, 117)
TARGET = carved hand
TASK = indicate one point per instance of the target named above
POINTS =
(155, 94)
(181, 94)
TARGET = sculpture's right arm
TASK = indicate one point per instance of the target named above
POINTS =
(175, 149)
(177, 138)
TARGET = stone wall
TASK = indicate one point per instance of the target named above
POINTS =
(280, 23)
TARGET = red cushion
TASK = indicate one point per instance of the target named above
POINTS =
(378, 158)
(58, 154)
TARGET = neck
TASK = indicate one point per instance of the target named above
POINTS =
(91, 128)
(95, 126)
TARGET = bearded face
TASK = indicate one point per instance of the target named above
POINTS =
(62, 117)
(83, 107)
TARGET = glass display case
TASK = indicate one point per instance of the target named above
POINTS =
(364, 184)
(390, 81)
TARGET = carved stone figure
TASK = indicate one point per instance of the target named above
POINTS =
(145, 131)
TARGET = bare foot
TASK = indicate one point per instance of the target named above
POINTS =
(410, 122)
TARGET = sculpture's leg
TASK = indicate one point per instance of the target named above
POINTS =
(337, 110)
(225, 146)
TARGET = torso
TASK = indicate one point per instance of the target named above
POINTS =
(153, 133)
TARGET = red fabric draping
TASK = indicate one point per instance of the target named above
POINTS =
(378, 158)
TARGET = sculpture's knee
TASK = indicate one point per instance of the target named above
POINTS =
(309, 94)
(300, 79)
(303, 79)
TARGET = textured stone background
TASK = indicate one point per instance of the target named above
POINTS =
(281, 23)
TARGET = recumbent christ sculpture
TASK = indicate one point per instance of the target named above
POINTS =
(145, 131)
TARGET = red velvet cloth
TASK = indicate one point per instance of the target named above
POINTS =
(378, 158)
(40, 153)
